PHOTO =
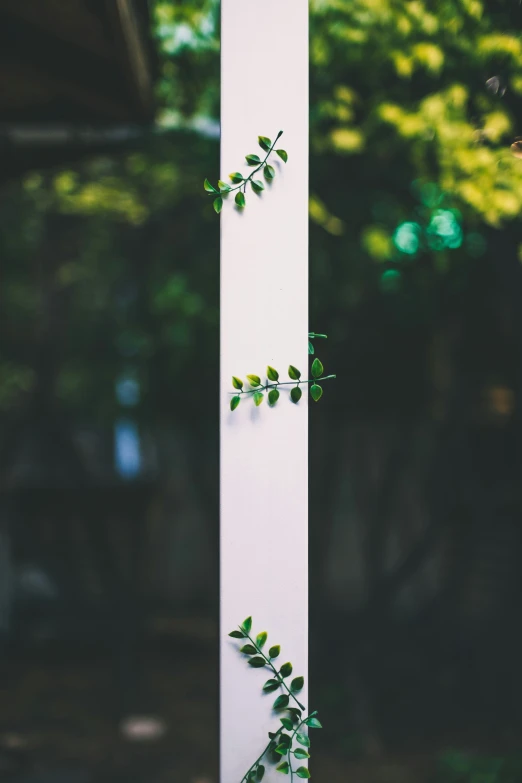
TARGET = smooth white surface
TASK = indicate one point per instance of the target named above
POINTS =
(264, 320)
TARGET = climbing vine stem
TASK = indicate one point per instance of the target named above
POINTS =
(280, 750)
(270, 387)
(240, 182)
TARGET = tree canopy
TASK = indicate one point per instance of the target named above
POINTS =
(112, 265)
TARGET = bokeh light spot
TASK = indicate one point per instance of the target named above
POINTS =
(407, 238)
(444, 230)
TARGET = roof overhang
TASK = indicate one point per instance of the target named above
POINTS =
(74, 76)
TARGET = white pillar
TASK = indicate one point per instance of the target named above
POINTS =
(264, 321)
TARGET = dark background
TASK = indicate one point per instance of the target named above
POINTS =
(109, 361)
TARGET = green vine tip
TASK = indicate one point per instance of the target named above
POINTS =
(312, 336)
(239, 182)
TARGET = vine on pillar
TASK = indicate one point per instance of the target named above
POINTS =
(293, 726)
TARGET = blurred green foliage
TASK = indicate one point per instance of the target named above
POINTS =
(406, 81)
(106, 273)
(114, 263)
(457, 767)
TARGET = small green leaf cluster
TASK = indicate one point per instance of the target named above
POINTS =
(240, 182)
(271, 386)
(280, 748)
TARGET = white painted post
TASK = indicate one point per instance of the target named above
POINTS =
(264, 320)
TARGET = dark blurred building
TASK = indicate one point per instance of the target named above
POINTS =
(75, 77)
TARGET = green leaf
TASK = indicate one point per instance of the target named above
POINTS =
(248, 649)
(257, 662)
(237, 634)
(273, 396)
(285, 739)
(281, 702)
(296, 394)
(299, 753)
(237, 383)
(274, 651)
(254, 380)
(316, 391)
(311, 348)
(287, 723)
(269, 172)
(317, 368)
(208, 187)
(246, 625)
(313, 723)
(234, 402)
(284, 768)
(257, 185)
(224, 187)
(253, 160)
(261, 638)
(272, 374)
(286, 670)
(302, 772)
(240, 199)
(303, 739)
(236, 177)
(294, 373)
(271, 685)
(264, 143)
(218, 204)
(297, 684)
(282, 750)
(295, 713)
(258, 398)
(260, 772)
(283, 154)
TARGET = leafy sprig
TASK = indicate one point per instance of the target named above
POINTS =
(224, 189)
(280, 748)
(270, 387)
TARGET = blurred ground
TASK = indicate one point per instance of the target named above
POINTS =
(56, 725)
